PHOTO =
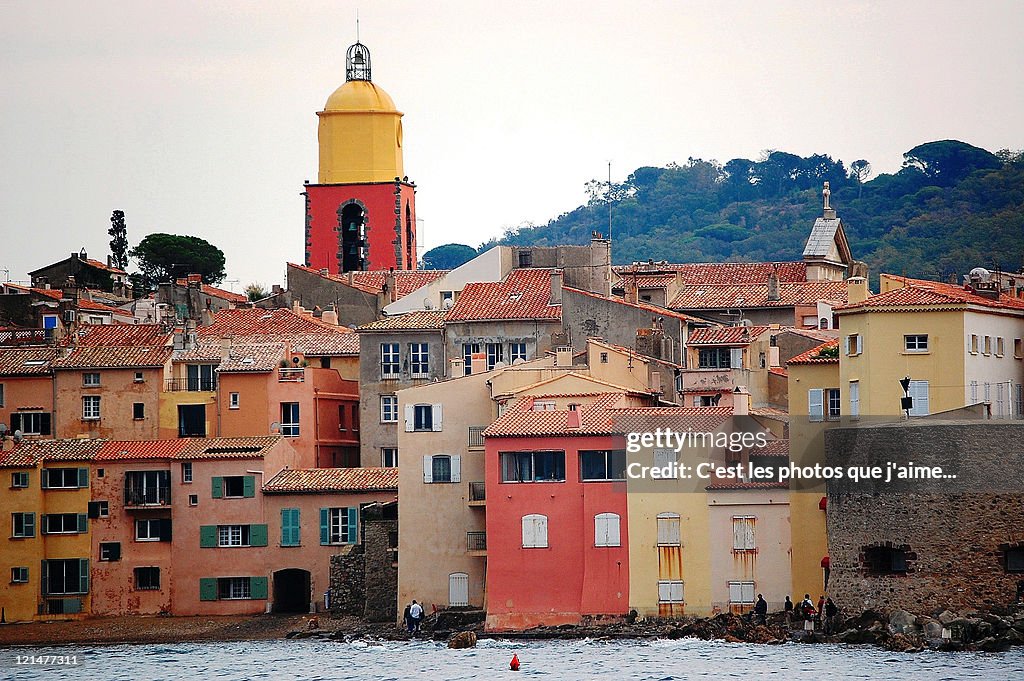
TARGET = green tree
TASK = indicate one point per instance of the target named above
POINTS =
(118, 240)
(448, 256)
(255, 291)
(946, 162)
(163, 257)
(860, 171)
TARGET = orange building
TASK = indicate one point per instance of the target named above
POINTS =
(26, 390)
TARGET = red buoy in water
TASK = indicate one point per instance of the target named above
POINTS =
(514, 664)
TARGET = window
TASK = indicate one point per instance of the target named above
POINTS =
(741, 593)
(290, 535)
(200, 377)
(854, 399)
(1015, 559)
(1018, 348)
(442, 468)
(229, 588)
(670, 591)
(389, 362)
(290, 419)
(389, 408)
(233, 535)
(99, 472)
(147, 488)
(233, 400)
(917, 342)
(606, 529)
(604, 358)
(23, 525)
(91, 408)
(153, 529)
(999, 346)
(68, 576)
(339, 525)
(743, 533)
(422, 417)
(816, 404)
(833, 403)
(854, 344)
(99, 509)
(526, 258)
(193, 499)
(664, 456)
(809, 320)
(65, 523)
(885, 560)
(668, 529)
(31, 422)
(974, 392)
(234, 486)
(603, 465)
(974, 343)
(1, 394)
(147, 578)
(535, 531)
(140, 377)
(987, 348)
(389, 457)
(544, 405)
(495, 354)
(64, 478)
(90, 378)
(919, 392)
(19, 479)
(19, 575)
(447, 296)
(533, 466)
(186, 472)
(419, 357)
(468, 350)
(110, 551)
(191, 420)
(717, 358)
(517, 352)
(138, 411)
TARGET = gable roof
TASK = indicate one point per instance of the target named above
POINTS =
(120, 335)
(646, 307)
(812, 356)
(320, 480)
(26, 361)
(114, 358)
(719, 273)
(406, 281)
(256, 321)
(827, 233)
(433, 319)
(29, 453)
(920, 292)
(230, 296)
(726, 335)
(524, 294)
(716, 297)
(187, 448)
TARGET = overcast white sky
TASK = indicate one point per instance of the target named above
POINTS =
(199, 117)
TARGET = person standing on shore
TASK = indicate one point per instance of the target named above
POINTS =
(789, 611)
(831, 613)
(407, 618)
(821, 609)
(416, 615)
(761, 610)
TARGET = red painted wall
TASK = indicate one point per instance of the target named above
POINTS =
(570, 578)
(382, 207)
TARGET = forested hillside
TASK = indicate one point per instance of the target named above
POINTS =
(951, 207)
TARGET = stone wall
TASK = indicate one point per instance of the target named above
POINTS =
(952, 535)
(348, 569)
(364, 577)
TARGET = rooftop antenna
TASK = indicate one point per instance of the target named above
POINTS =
(609, 202)
(357, 24)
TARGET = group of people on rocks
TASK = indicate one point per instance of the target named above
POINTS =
(413, 617)
(825, 614)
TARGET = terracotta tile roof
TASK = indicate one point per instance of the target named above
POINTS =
(719, 296)
(921, 292)
(121, 335)
(778, 371)
(811, 356)
(188, 448)
(218, 292)
(645, 280)
(647, 307)
(406, 281)
(726, 335)
(771, 413)
(727, 272)
(114, 358)
(324, 344)
(31, 452)
(816, 334)
(254, 321)
(103, 266)
(525, 294)
(84, 304)
(631, 351)
(26, 361)
(433, 319)
(314, 480)
(772, 448)
(255, 357)
(140, 450)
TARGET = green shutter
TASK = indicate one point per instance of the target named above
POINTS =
(290, 527)
(207, 536)
(325, 526)
(249, 486)
(29, 521)
(83, 522)
(258, 587)
(83, 575)
(207, 588)
(257, 535)
(83, 477)
(218, 487)
(44, 478)
(353, 513)
(44, 525)
(44, 571)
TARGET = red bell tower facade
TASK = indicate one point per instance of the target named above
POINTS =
(361, 213)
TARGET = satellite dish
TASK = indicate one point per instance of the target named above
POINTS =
(275, 427)
(3, 429)
(447, 304)
(18, 436)
(980, 274)
(428, 304)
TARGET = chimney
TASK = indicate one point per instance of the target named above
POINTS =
(773, 286)
(740, 401)
(458, 366)
(329, 316)
(8, 444)
(478, 364)
(556, 288)
(275, 289)
(563, 356)
(600, 265)
(856, 290)
(629, 286)
(351, 277)
(225, 348)
(110, 261)
(391, 284)
(74, 255)
(572, 419)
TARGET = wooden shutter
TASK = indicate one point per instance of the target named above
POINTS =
(218, 487)
(748, 534)
(665, 592)
(257, 535)
(737, 534)
(207, 536)
(541, 522)
(860, 343)
(290, 527)
(44, 423)
(207, 588)
(352, 524)
(668, 530)
(83, 522)
(410, 418)
(44, 478)
(165, 529)
(458, 589)
(456, 468)
(249, 486)
(815, 404)
(529, 532)
(83, 575)
(258, 587)
(855, 399)
(44, 572)
(115, 551)
(325, 526)
(29, 524)
(735, 592)
(83, 477)
(94, 509)
(435, 410)
(676, 592)
(613, 530)
(428, 468)
(919, 391)
(736, 358)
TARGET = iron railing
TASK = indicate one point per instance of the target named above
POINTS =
(477, 491)
(476, 541)
(175, 385)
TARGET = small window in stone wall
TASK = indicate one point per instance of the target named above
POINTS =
(886, 559)
(1014, 559)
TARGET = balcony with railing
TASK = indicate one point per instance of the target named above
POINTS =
(476, 437)
(193, 385)
(147, 497)
(477, 494)
(291, 375)
(476, 543)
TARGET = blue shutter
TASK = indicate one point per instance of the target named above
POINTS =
(83, 522)
(83, 575)
(353, 514)
(325, 526)
(83, 477)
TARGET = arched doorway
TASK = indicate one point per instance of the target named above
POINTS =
(291, 590)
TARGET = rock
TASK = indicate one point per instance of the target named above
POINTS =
(902, 622)
(932, 628)
(732, 639)
(993, 645)
(946, 617)
(463, 639)
(901, 643)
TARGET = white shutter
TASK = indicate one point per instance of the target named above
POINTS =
(748, 534)
(676, 592)
(664, 457)
(737, 533)
(815, 404)
(456, 468)
(458, 589)
(735, 592)
(612, 523)
(428, 469)
(736, 358)
(846, 343)
(919, 391)
(860, 347)
(668, 530)
(436, 414)
(542, 531)
(665, 592)
(600, 530)
(747, 592)
(410, 418)
(529, 532)
(854, 399)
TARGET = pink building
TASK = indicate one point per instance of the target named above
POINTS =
(557, 544)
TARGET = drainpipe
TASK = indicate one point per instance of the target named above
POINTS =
(316, 426)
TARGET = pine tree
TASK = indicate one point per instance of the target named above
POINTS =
(119, 240)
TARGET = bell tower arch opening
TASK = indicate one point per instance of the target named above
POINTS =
(410, 240)
(352, 241)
